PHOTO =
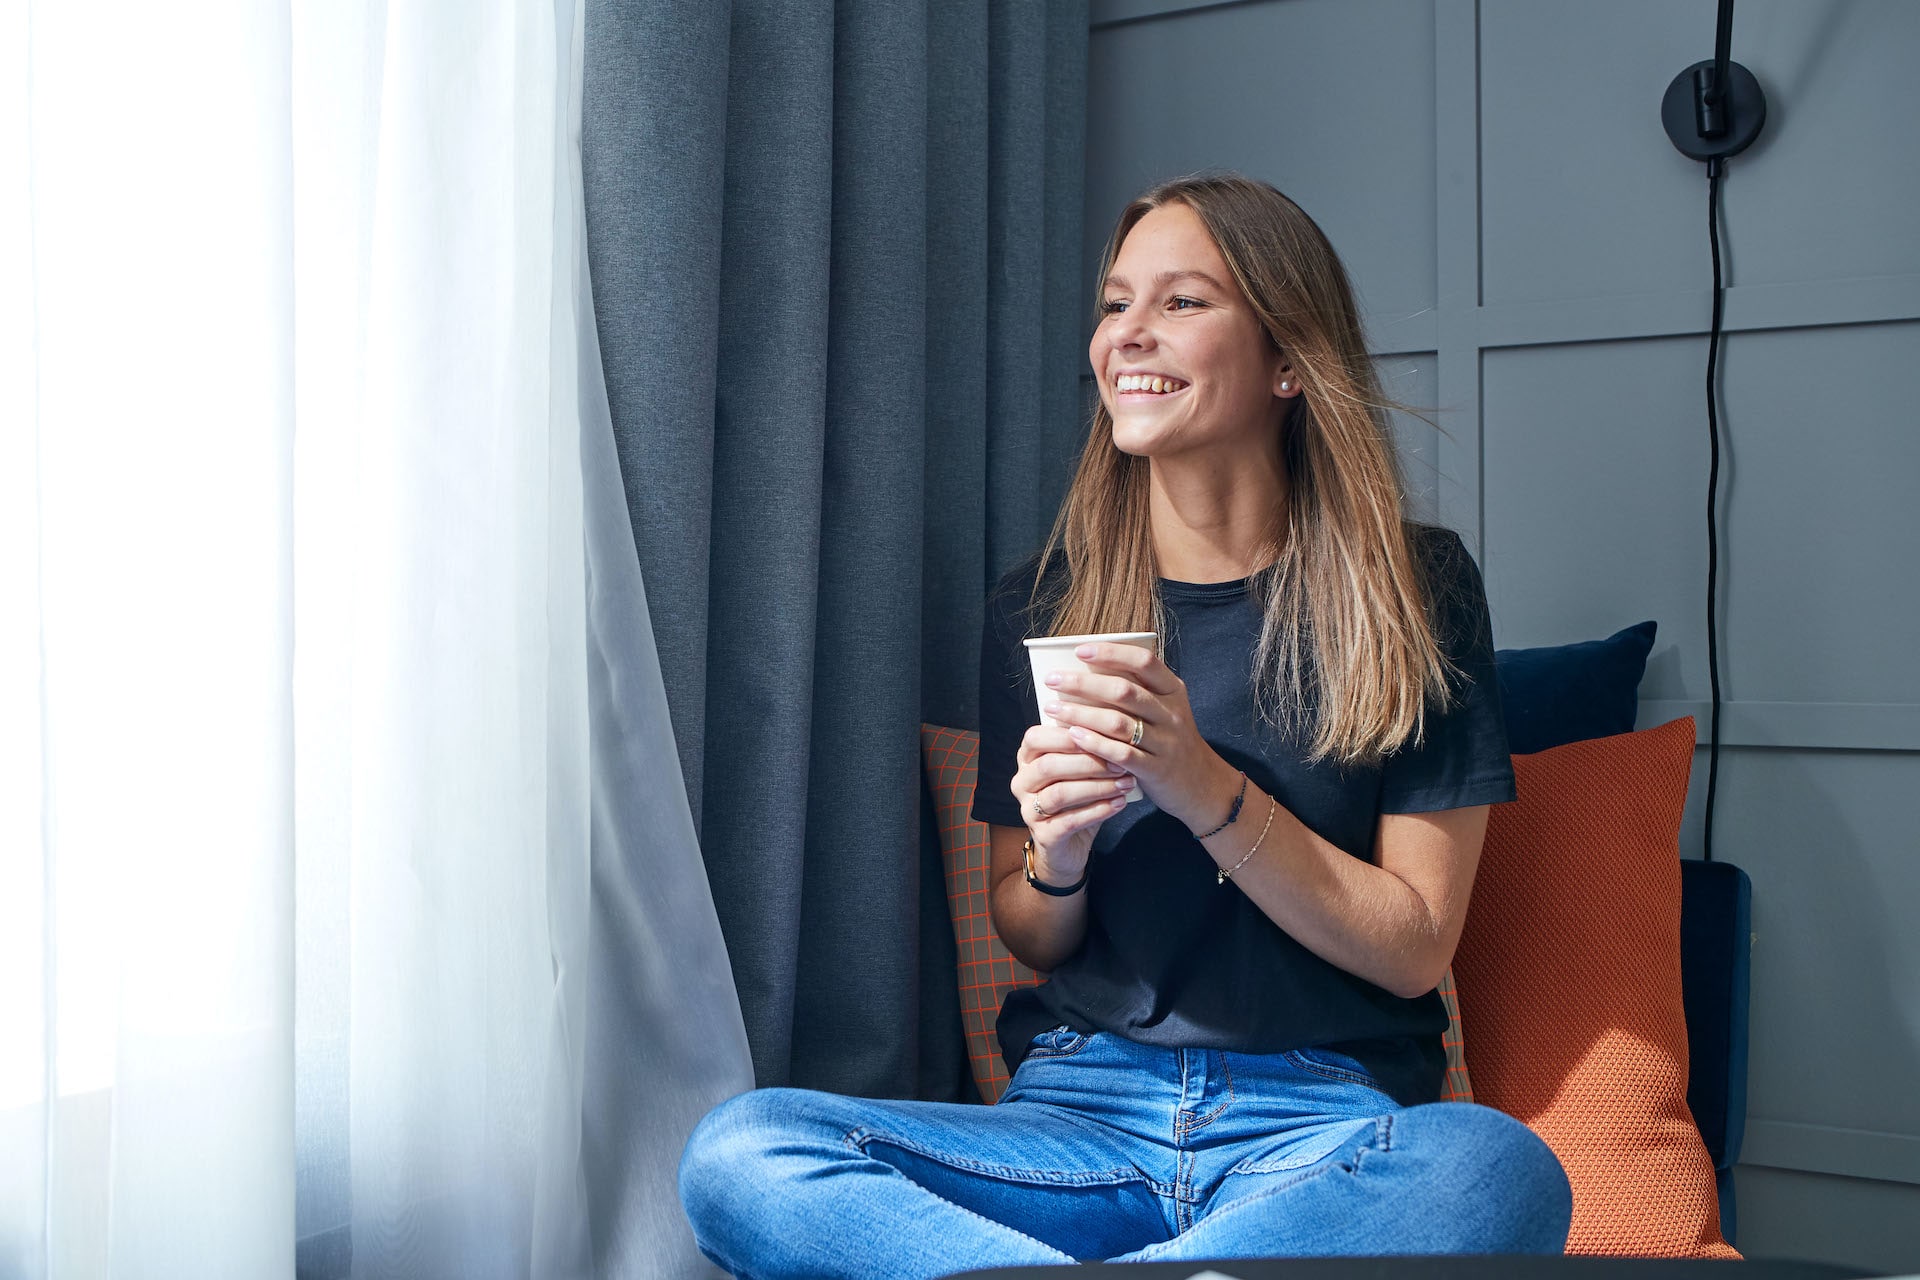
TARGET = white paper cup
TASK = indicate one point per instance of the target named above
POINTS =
(1055, 653)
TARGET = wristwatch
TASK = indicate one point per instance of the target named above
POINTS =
(1054, 890)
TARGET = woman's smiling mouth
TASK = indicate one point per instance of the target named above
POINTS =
(1147, 384)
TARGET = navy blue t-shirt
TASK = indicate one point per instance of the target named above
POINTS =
(1173, 957)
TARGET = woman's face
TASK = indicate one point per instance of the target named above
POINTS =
(1182, 362)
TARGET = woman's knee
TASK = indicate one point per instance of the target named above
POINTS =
(1500, 1172)
(729, 1151)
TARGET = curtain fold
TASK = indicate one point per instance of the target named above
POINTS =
(835, 251)
(664, 1038)
(440, 686)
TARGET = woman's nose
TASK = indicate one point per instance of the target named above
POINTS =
(1128, 330)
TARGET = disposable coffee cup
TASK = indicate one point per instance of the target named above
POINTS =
(1055, 653)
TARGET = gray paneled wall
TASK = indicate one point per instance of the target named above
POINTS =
(1532, 254)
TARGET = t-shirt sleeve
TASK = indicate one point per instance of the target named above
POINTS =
(1007, 704)
(1462, 759)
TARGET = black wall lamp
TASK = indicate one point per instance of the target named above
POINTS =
(1714, 109)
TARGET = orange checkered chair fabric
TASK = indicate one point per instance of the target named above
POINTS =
(987, 971)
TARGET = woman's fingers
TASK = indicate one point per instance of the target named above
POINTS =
(1041, 739)
(1052, 749)
(1059, 824)
(1072, 788)
(1061, 781)
(1060, 797)
(1101, 690)
(1141, 666)
(1117, 725)
(1116, 755)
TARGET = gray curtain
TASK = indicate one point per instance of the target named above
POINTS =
(835, 251)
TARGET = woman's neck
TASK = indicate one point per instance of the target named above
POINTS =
(1212, 524)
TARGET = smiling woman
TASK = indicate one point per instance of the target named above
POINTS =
(1278, 455)
(1237, 1052)
(1184, 367)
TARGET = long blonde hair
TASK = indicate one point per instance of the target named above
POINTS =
(1348, 657)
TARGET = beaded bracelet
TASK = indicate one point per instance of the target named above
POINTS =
(1233, 812)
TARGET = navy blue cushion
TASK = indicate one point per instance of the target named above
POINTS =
(1716, 917)
(1570, 692)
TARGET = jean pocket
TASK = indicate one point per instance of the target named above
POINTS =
(1329, 1065)
(1061, 1042)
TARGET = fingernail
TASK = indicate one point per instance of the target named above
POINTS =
(1115, 768)
(1053, 708)
(1084, 651)
(1078, 734)
(1053, 679)
(1119, 804)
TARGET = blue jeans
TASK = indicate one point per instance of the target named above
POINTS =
(1104, 1148)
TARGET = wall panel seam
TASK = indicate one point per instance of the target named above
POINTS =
(1457, 196)
(1686, 313)
(1816, 1148)
(1808, 726)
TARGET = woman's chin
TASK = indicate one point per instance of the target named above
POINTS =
(1138, 443)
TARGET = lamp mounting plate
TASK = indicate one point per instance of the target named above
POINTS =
(1739, 114)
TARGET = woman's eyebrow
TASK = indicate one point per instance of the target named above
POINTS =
(1166, 278)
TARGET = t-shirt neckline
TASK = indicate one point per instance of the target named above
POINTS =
(1174, 589)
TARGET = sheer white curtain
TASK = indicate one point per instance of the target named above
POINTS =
(296, 785)
(146, 991)
(440, 725)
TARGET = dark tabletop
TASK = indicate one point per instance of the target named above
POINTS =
(1505, 1267)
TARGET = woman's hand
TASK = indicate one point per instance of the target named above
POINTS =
(1064, 794)
(1129, 685)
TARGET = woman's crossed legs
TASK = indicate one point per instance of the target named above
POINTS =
(1103, 1148)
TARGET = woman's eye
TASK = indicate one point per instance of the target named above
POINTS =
(1113, 307)
(1179, 303)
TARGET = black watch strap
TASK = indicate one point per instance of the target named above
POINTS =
(1054, 890)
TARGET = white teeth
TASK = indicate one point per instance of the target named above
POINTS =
(1147, 382)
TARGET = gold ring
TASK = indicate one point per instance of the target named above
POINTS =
(1139, 730)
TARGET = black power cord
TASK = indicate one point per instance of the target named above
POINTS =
(1713, 110)
(1713, 520)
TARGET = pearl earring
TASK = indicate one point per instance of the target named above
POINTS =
(1286, 386)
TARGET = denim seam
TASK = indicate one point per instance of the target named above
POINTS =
(977, 1217)
(1300, 1060)
(859, 1138)
(1152, 1251)
(1382, 1142)
(1180, 1103)
(1078, 1045)
(1187, 1127)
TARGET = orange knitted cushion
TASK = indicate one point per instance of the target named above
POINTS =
(1569, 974)
(987, 969)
